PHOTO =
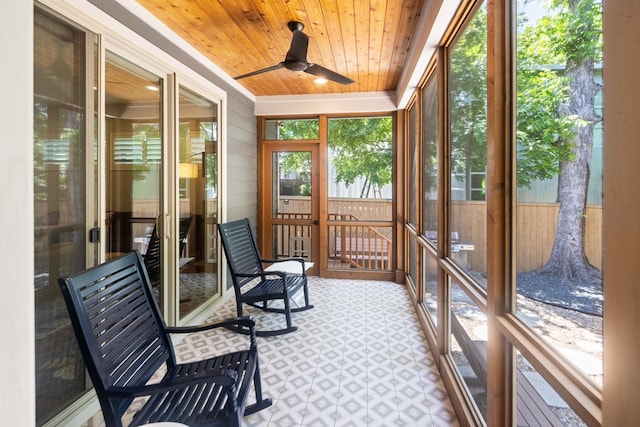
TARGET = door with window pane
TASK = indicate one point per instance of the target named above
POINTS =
(65, 201)
(292, 223)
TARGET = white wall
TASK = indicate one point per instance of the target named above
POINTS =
(17, 402)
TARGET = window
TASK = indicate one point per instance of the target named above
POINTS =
(197, 256)
(468, 141)
(291, 129)
(559, 202)
(430, 194)
(430, 159)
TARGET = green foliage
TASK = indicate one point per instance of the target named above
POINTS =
(361, 148)
(305, 190)
(468, 97)
(298, 129)
(568, 33)
(580, 26)
(295, 161)
(541, 130)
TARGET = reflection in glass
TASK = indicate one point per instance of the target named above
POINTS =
(469, 345)
(198, 200)
(133, 137)
(468, 118)
(60, 205)
(412, 169)
(413, 262)
(430, 299)
(559, 175)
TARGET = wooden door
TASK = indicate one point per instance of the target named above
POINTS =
(290, 201)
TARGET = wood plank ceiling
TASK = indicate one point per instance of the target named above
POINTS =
(365, 40)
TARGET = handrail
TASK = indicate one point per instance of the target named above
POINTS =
(360, 245)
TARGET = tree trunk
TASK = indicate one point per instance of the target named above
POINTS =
(568, 261)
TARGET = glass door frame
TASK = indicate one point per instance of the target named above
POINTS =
(85, 47)
(177, 81)
(266, 218)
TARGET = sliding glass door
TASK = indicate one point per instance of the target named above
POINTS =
(134, 164)
(65, 200)
(125, 160)
(197, 257)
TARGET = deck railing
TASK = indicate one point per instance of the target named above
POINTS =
(360, 244)
(365, 245)
(535, 226)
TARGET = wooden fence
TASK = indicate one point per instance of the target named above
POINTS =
(363, 209)
(535, 233)
(535, 222)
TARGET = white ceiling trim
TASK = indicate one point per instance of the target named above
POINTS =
(435, 17)
(337, 103)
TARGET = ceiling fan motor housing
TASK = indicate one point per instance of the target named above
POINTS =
(296, 65)
(295, 26)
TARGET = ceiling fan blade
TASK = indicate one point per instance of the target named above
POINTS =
(264, 70)
(320, 71)
(298, 48)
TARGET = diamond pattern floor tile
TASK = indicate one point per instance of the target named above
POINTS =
(358, 358)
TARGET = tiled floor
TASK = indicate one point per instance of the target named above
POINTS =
(358, 358)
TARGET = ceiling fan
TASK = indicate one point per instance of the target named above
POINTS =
(296, 59)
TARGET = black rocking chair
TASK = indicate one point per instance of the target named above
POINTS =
(124, 342)
(246, 267)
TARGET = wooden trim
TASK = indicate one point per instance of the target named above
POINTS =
(463, 404)
(621, 226)
(399, 193)
(501, 387)
(320, 207)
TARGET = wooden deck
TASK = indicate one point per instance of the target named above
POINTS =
(533, 411)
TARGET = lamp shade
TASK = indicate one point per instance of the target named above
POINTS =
(188, 170)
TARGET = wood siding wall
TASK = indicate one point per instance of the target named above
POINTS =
(241, 180)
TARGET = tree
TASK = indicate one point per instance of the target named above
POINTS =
(556, 117)
(360, 147)
(468, 106)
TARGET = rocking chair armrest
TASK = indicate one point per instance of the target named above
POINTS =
(254, 274)
(262, 275)
(224, 377)
(245, 321)
(273, 261)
